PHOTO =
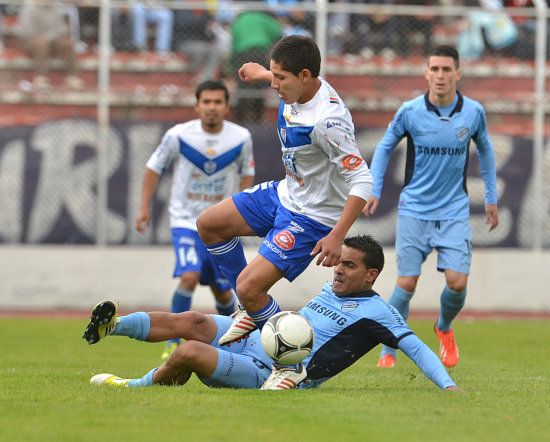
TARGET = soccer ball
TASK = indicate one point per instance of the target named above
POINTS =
(287, 337)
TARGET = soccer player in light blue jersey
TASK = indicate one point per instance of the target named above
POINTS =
(213, 159)
(349, 319)
(434, 207)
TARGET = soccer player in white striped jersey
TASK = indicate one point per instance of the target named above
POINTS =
(434, 207)
(309, 212)
(214, 160)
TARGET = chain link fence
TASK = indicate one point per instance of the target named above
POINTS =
(76, 132)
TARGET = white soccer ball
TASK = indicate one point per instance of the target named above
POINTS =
(287, 337)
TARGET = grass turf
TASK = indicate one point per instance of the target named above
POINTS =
(45, 367)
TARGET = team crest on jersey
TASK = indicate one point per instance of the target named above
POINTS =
(283, 134)
(349, 306)
(284, 239)
(210, 167)
(462, 133)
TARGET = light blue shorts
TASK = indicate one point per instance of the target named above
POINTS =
(240, 365)
(192, 256)
(416, 238)
(288, 236)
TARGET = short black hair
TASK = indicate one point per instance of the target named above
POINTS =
(446, 51)
(295, 53)
(373, 257)
(211, 85)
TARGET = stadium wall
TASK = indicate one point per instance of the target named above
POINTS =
(69, 278)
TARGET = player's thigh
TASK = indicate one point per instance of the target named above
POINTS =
(243, 364)
(453, 242)
(222, 221)
(289, 243)
(258, 205)
(412, 245)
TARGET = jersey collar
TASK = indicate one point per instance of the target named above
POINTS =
(432, 108)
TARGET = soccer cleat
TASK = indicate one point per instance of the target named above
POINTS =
(284, 378)
(242, 326)
(168, 351)
(448, 351)
(102, 322)
(387, 361)
(109, 379)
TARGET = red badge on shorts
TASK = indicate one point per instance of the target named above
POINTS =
(285, 240)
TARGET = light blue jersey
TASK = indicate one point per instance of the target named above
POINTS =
(438, 140)
(347, 328)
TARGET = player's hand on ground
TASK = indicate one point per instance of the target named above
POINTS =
(492, 215)
(329, 250)
(453, 388)
(143, 220)
(251, 72)
(371, 206)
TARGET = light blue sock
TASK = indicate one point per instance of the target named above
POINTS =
(230, 258)
(145, 381)
(226, 309)
(451, 304)
(399, 299)
(135, 325)
(261, 316)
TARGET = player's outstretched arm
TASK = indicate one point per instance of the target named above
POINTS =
(251, 72)
(427, 361)
(150, 181)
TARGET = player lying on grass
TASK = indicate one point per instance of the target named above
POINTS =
(349, 319)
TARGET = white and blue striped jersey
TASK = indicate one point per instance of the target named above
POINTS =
(347, 328)
(438, 140)
(208, 168)
(323, 165)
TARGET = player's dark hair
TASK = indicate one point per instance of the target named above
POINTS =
(295, 53)
(446, 51)
(211, 85)
(373, 257)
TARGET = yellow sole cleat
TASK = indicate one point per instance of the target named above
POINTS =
(102, 322)
(109, 379)
(168, 351)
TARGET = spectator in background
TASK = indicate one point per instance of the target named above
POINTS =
(44, 34)
(253, 34)
(162, 18)
(195, 36)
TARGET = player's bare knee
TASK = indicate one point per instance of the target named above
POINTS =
(188, 353)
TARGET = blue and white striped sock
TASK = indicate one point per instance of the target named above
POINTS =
(230, 258)
(261, 316)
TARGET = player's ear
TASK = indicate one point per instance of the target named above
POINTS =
(305, 75)
(371, 276)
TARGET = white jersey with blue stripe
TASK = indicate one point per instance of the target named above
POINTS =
(438, 140)
(323, 165)
(346, 328)
(208, 168)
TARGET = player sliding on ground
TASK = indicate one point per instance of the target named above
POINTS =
(348, 317)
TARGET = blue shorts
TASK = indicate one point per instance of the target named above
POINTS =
(240, 365)
(416, 238)
(192, 256)
(288, 236)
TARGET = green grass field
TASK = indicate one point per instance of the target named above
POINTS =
(45, 368)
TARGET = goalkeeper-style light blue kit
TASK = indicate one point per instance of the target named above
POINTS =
(434, 189)
(345, 329)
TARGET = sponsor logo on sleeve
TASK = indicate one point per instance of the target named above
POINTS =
(351, 162)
